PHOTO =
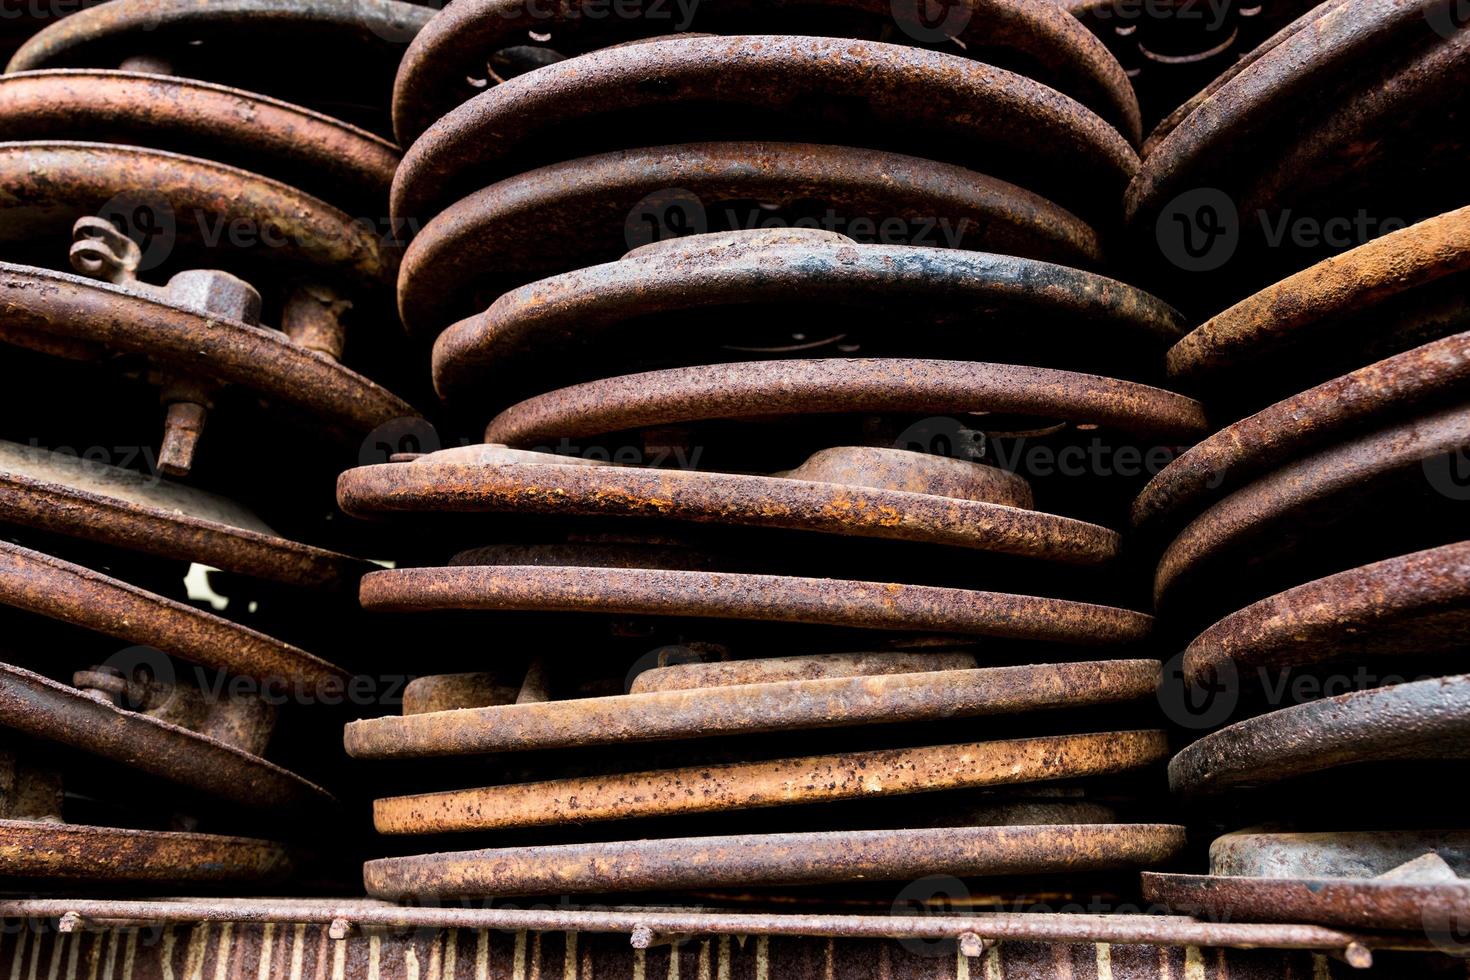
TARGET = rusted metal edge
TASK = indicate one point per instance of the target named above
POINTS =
(82, 853)
(780, 706)
(765, 670)
(757, 389)
(774, 859)
(458, 41)
(1415, 604)
(426, 486)
(42, 302)
(60, 590)
(41, 708)
(1346, 902)
(1427, 719)
(785, 782)
(537, 323)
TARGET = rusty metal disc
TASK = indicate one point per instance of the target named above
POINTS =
(759, 860)
(1427, 719)
(43, 709)
(766, 389)
(100, 854)
(809, 89)
(784, 782)
(63, 591)
(575, 214)
(837, 702)
(494, 483)
(36, 304)
(593, 314)
(324, 156)
(1038, 38)
(1415, 604)
(121, 508)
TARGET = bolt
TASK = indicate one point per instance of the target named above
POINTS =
(971, 945)
(642, 937)
(68, 922)
(339, 929)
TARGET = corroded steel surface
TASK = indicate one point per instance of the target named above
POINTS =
(879, 468)
(771, 859)
(43, 709)
(1268, 508)
(61, 590)
(740, 786)
(764, 598)
(303, 148)
(124, 509)
(456, 484)
(574, 214)
(1353, 854)
(1415, 604)
(775, 388)
(724, 673)
(783, 706)
(457, 44)
(81, 853)
(543, 321)
(1427, 719)
(39, 303)
(1328, 901)
(1303, 307)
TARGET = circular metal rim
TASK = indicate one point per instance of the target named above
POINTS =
(40, 301)
(777, 783)
(827, 386)
(541, 319)
(73, 851)
(761, 598)
(169, 107)
(750, 708)
(1059, 43)
(483, 233)
(959, 96)
(775, 859)
(1336, 616)
(425, 486)
(1346, 902)
(1397, 263)
(1327, 734)
(44, 709)
(59, 590)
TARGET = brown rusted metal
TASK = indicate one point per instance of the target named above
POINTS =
(1415, 604)
(785, 782)
(450, 692)
(490, 480)
(1361, 854)
(43, 709)
(687, 677)
(81, 853)
(783, 706)
(877, 468)
(60, 590)
(1371, 904)
(596, 312)
(1427, 719)
(772, 859)
(765, 389)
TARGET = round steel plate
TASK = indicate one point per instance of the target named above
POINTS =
(106, 854)
(1365, 904)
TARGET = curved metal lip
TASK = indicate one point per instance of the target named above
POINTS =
(1070, 58)
(743, 596)
(1295, 307)
(987, 112)
(427, 486)
(776, 859)
(1427, 719)
(46, 586)
(1401, 605)
(791, 705)
(545, 318)
(165, 112)
(1367, 903)
(1248, 449)
(40, 849)
(782, 388)
(571, 215)
(40, 301)
(1285, 71)
(781, 782)
(44, 709)
(1265, 508)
